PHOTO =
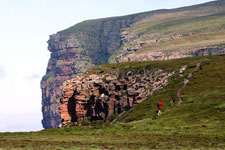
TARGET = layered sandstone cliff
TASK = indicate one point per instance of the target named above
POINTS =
(100, 96)
(90, 43)
(67, 59)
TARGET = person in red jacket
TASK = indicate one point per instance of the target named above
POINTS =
(159, 106)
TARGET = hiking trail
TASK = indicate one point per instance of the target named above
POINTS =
(187, 80)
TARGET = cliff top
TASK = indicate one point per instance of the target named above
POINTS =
(89, 24)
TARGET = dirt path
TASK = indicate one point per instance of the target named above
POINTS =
(179, 91)
(186, 80)
(117, 118)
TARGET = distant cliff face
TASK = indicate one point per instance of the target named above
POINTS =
(156, 35)
(90, 44)
(67, 59)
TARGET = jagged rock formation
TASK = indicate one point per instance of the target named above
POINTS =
(155, 35)
(99, 97)
(67, 60)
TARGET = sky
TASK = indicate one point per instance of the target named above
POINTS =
(25, 26)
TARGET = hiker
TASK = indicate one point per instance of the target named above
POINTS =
(159, 106)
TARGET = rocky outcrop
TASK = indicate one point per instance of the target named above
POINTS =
(99, 97)
(151, 56)
(67, 59)
(73, 51)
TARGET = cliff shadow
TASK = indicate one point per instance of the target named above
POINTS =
(72, 108)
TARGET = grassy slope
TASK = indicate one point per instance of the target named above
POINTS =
(198, 27)
(199, 122)
(207, 32)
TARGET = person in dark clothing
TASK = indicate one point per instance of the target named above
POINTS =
(159, 106)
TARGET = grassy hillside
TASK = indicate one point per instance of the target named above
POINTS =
(189, 28)
(193, 32)
(197, 123)
(185, 28)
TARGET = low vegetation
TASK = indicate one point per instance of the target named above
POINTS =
(190, 28)
(197, 123)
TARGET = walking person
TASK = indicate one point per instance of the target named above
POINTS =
(159, 106)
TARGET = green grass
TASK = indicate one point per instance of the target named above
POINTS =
(198, 123)
(200, 40)
(51, 79)
(123, 68)
(179, 22)
(60, 63)
(197, 28)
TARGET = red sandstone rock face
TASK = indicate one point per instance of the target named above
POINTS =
(73, 54)
(61, 67)
(98, 97)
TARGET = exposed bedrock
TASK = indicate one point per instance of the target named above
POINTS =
(72, 54)
(158, 55)
(99, 97)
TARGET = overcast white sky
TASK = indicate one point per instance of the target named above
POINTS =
(25, 26)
